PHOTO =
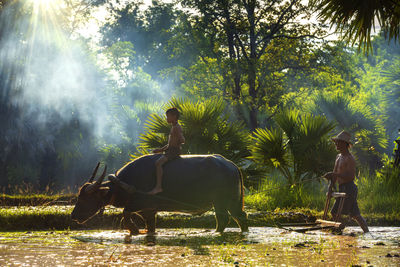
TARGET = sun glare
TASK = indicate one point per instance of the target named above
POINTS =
(45, 22)
(44, 4)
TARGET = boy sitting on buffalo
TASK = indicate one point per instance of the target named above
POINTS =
(172, 150)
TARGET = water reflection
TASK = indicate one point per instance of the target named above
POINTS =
(202, 247)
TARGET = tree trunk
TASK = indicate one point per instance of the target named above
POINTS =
(252, 62)
(234, 61)
(230, 31)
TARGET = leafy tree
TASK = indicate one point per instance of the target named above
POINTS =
(241, 33)
(356, 19)
(378, 84)
(206, 128)
(392, 75)
(366, 128)
(298, 148)
(157, 33)
(389, 175)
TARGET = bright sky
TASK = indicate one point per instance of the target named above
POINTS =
(100, 14)
(91, 29)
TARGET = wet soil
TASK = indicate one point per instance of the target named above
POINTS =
(261, 246)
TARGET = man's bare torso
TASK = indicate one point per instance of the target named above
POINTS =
(345, 165)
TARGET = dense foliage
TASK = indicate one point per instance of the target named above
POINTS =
(298, 148)
(255, 81)
(205, 126)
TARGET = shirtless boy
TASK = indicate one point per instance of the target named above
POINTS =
(172, 150)
(344, 173)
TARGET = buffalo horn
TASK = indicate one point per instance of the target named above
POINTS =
(93, 187)
(100, 180)
(94, 172)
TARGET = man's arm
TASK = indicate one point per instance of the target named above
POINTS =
(331, 175)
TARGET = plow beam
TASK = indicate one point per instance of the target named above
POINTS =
(330, 223)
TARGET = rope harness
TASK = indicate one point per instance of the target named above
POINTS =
(197, 207)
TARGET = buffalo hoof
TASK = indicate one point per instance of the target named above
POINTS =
(150, 240)
(128, 239)
(134, 232)
(148, 233)
(244, 230)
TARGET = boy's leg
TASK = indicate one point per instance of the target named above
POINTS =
(159, 172)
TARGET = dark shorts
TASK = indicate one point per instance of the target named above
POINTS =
(350, 206)
(172, 153)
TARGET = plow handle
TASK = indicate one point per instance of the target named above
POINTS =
(328, 200)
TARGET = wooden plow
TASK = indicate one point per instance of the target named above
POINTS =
(323, 223)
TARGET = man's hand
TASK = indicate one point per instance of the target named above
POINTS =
(330, 176)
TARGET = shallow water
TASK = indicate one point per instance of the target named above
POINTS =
(262, 246)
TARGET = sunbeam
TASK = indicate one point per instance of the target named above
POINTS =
(46, 20)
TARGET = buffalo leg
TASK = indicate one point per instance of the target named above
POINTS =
(129, 224)
(240, 217)
(222, 217)
(150, 220)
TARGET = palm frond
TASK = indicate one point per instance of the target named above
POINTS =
(392, 76)
(287, 121)
(356, 19)
(367, 129)
(206, 128)
(268, 147)
(302, 151)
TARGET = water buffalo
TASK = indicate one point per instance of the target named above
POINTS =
(191, 184)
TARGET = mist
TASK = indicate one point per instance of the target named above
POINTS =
(59, 107)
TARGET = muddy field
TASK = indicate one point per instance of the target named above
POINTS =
(262, 246)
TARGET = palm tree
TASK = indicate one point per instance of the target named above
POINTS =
(298, 148)
(356, 18)
(358, 119)
(206, 128)
(392, 75)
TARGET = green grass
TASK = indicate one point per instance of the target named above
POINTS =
(381, 192)
(378, 196)
(58, 217)
(275, 193)
(274, 201)
(37, 199)
(49, 217)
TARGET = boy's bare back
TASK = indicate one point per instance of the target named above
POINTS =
(176, 138)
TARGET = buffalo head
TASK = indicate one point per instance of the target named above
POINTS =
(90, 198)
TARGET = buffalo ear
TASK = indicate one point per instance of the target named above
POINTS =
(103, 191)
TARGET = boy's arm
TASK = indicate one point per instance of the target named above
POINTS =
(162, 149)
(181, 137)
